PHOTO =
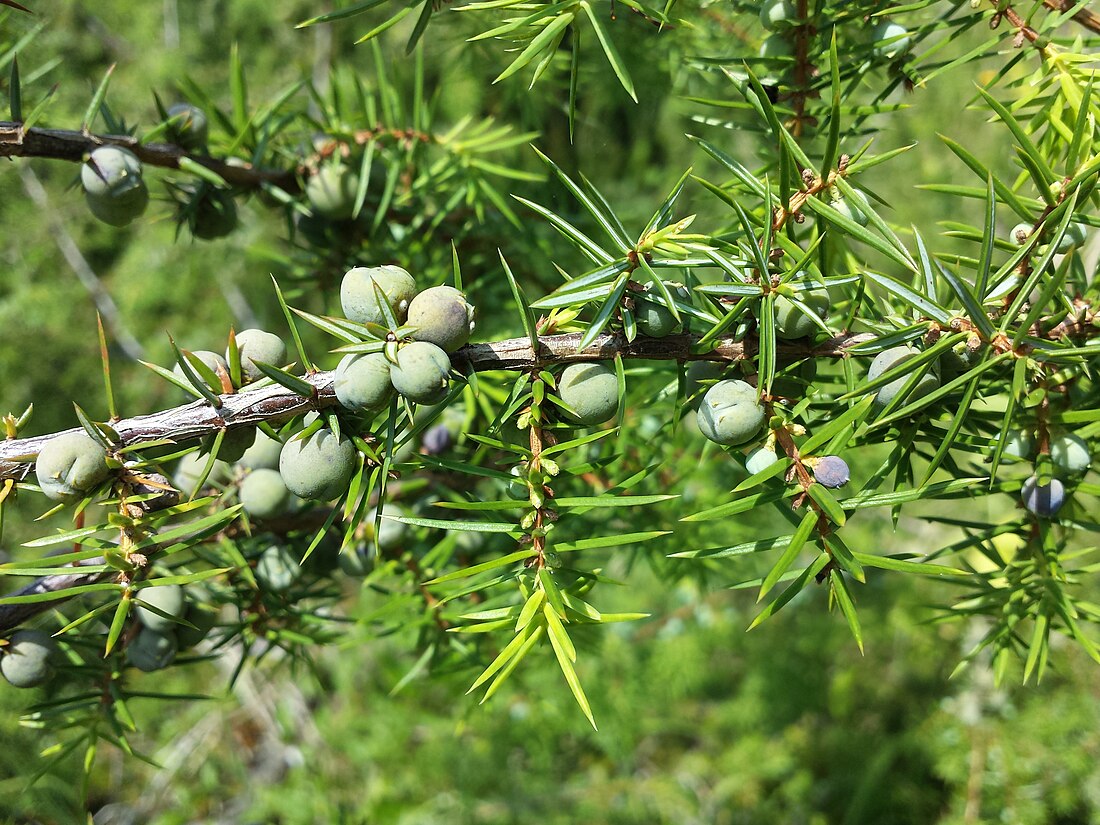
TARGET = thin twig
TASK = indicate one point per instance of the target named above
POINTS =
(72, 145)
(13, 615)
(803, 69)
(67, 144)
(1083, 16)
(1023, 30)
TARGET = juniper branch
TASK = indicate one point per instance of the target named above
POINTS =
(14, 615)
(71, 145)
(275, 403)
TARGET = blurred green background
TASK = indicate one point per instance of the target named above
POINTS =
(699, 721)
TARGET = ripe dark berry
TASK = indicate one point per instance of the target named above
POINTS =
(831, 471)
(1044, 500)
(152, 650)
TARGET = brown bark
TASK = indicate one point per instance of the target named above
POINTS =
(70, 145)
(272, 403)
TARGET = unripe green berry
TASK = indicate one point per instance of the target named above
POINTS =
(70, 465)
(791, 322)
(190, 467)
(263, 454)
(390, 536)
(517, 487)
(258, 345)
(1019, 443)
(189, 127)
(956, 361)
(653, 319)
(649, 427)
(362, 382)
(168, 598)
(214, 215)
(263, 494)
(1070, 454)
(111, 171)
(235, 443)
(26, 661)
(277, 569)
(113, 186)
(591, 391)
(776, 47)
(318, 467)
(890, 358)
(698, 373)
(358, 297)
(652, 315)
(776, 15)
(1020, 233)
(470, 542)
(152, 650)
(357, 561)
(1074, 236)
(853, 208)
(441, 317)
(421, 372)
(730, 413)
(891, 39)
(212, 360)
(203, 618)
(118, 210)
(331, 191)
(760, 459)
